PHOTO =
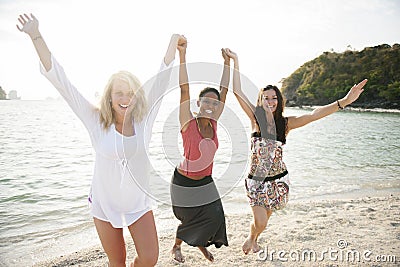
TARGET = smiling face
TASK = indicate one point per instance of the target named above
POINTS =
(208, 104)
(269, 99)
(122, 98)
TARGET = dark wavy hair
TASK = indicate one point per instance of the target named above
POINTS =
(280, 121)
(209, 90)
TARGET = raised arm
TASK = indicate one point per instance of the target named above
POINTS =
(30, 25)
(185, 115)
(170, 54)
(160, 84)
(162, 79)
(54, 72)
(244, 102)
(224, 84)
(320, 112)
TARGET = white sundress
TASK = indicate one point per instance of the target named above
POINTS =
(119, 190)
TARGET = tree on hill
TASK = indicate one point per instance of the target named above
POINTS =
(2, 93)
(329, 77)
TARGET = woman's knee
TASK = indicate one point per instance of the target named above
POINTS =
(116, 263)
(147, 259)
(260, 223)
(261, 216)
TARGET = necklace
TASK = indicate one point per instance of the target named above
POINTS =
(198, 125)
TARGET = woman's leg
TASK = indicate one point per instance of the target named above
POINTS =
(113, 243)
(207, 253)
(144, 235)
(261, 217)
(176, 251)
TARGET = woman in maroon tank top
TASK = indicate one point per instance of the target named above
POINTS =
(195, 198)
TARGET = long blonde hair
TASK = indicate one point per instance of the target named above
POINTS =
(139, 110)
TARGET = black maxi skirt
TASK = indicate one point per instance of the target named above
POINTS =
(197, 204)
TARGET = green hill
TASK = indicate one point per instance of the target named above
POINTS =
(2, 94)
(329, 77)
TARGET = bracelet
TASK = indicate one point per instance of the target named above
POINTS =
(338, 104)
(37, 37)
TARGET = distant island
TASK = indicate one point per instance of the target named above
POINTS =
(3, 94)
(12, 95)
(329, 77)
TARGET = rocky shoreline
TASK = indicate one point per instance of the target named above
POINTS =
(388, 108)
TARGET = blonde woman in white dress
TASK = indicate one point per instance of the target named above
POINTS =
(120, 132)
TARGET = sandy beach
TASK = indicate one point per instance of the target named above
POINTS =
(356, 232)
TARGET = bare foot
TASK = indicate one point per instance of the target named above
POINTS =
(256, 247)
(252, 245)
(177, 254)
(247, 245)
(207, 254)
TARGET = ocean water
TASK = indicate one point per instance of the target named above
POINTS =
(46, 165)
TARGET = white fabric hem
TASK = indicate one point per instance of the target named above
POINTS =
(132, 220)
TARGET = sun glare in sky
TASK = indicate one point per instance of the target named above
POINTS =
(93, 39)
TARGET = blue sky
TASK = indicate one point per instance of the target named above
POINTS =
(93, 39)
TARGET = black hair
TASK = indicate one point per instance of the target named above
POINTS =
(280, 121)
(209, 90)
